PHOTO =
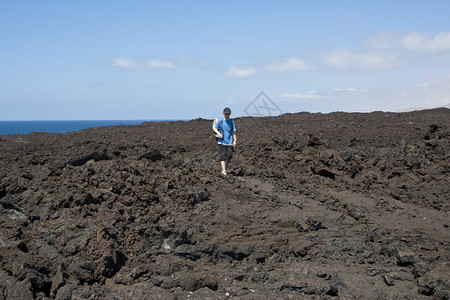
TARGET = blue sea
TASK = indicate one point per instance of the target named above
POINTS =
(24, 127)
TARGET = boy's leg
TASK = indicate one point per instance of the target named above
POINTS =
(223, 154)
(226, 152)
(230, 150)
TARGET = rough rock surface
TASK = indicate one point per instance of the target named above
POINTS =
(316, 206)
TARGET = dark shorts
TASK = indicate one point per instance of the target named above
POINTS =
(226, 152)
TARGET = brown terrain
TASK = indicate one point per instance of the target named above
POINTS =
(316, 206)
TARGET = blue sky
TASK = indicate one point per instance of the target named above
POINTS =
(96, 59)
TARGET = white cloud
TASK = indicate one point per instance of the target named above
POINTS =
(433, 92)
(241, 72)
(350, 89)
(195, 61)
(157, 64)
(384, 50)
(290, 64)
(124, 63)
(424, 42)
(304, 96)
(383, 40)
(388, 49)
(129, 64)
(411, 41)
(428, 93)
(349, 59)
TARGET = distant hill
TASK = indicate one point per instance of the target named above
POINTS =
(408, 109)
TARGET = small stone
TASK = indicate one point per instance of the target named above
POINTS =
(388, 280)
(405, 258)
(373, 272)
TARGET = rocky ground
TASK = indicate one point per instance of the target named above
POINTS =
(316, 206)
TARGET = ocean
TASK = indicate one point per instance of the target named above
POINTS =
(24, 127)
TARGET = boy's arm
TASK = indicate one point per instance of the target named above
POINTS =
(234, 138)
(216, 130)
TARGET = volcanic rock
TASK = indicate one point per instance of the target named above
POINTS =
(315, 206)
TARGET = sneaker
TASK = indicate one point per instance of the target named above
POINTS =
(224, 173)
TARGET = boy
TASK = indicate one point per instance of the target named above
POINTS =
(226, 132)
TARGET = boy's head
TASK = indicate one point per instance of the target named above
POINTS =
(226, 112)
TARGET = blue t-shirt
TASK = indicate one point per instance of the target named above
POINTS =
(227, 131)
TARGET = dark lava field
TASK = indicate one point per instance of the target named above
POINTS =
(315, 206)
